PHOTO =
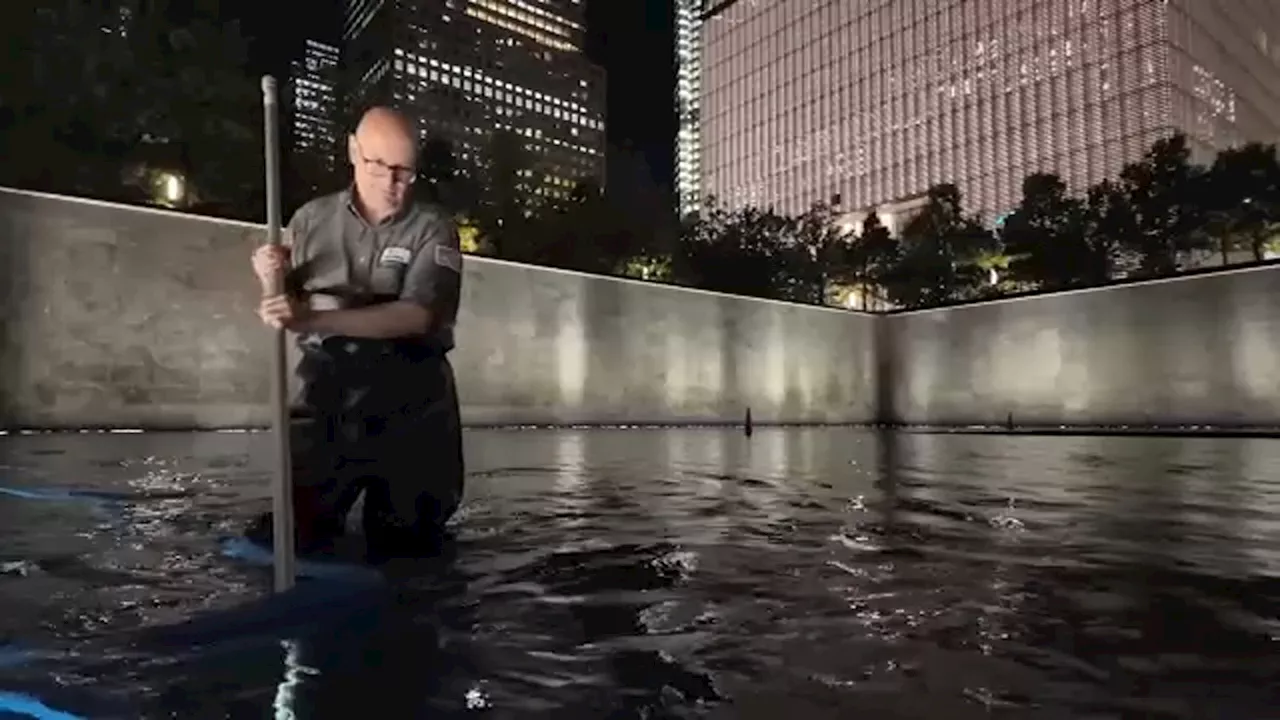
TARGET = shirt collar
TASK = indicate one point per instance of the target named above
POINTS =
(349, 199)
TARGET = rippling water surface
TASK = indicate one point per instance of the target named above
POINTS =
(799, 573)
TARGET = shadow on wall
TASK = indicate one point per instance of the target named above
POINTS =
(607, 366)
(885, 371)
(729, 364)
(654, 359)
(1224, 342)
(15, 279)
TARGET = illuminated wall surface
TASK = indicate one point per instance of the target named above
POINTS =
(128, 317)
(688, 100)
(874, 101)
(1197, 350)
(465, 67)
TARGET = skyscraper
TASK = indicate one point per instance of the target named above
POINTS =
(688, 100)
(313, 114)
(468, 67)
(869, 103)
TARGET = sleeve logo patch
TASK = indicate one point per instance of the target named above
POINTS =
(448, 257)
(395, 256)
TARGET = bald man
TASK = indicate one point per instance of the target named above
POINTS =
(373, 284)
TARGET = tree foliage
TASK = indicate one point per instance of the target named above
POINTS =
(502, 214)
(869, 264)
(762, 253)
(1164, 191)
(1243, 200)
(502, 211)
(941, 253)
(585, 232)
(91, 89)
(1163, 214)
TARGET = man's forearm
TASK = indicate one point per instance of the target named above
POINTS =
(379, 322)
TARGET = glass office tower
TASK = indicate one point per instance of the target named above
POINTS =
(313, 132)
(869, 103)
(688, 98)
(468, 67)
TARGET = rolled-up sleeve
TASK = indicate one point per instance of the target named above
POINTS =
(434, 276)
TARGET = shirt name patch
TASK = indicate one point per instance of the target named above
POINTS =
(395, 256)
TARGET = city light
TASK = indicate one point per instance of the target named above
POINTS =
(876, 101)
(170, 188)
(468, 236)
(487, 69)
(312, 92)
(688, 101)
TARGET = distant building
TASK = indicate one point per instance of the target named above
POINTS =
(688, 102)
(465, 68)
(313, 131)
(804, 102)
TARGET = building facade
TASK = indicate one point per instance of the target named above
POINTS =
(868, 102)
(688, 100)
(468, 68)
(314, 133)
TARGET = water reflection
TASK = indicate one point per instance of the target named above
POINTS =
(686, 573)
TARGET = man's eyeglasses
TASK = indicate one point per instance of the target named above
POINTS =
(377, 168)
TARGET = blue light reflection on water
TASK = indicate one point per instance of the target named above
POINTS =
(28, 706)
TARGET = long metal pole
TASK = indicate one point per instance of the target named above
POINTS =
(282, 497)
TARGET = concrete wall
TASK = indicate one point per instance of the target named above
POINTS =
(125, 317)
(1196, 350)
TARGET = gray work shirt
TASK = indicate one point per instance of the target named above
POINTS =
(340, 260)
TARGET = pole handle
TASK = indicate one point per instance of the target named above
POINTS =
(282, 495)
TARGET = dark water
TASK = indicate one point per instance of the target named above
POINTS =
(815, 573)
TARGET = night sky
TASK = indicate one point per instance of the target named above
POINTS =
(634, 40)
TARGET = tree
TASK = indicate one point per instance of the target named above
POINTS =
(468, 235)
(733, 251)
(750, 251)
(1244, 199)
(47, 89)
(941, 254)
(811, 255)
(442, 181)
(90, 89)
(874, 253)
(1044, 238)
(303, 177)
(209, 109)
(437, 168)
(1108, 220)
(503, 216)
(1165, 192)
(647, 208)
(649, 266)
(585, 233)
